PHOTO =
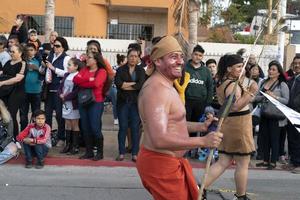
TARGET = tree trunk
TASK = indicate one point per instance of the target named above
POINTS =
(193, 25)
(49, 18)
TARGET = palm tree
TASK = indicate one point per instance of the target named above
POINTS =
(49, 18)
(186, 16)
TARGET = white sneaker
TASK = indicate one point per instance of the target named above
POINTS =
(116, 122)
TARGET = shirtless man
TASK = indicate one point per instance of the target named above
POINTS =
(162, 168)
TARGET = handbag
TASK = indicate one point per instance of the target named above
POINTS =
(269, 110)
(86, 95)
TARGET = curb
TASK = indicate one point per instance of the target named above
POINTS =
(64, 161)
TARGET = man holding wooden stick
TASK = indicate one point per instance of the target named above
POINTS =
(163, 170)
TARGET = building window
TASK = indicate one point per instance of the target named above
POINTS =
(63, 25)
(295, 37)
(130, 31)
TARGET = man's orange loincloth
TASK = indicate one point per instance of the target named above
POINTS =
(166, 177)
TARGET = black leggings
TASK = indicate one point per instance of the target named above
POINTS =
(270, 135)
(13, 103)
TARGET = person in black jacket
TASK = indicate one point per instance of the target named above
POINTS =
(129, 80)
(294, 103)
(20, 29)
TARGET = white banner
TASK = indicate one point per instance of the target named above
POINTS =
(292, 115)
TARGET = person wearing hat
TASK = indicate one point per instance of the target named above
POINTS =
(160, 163)
(57, 66)
(237, 143)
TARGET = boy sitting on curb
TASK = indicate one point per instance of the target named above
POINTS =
(36, 140)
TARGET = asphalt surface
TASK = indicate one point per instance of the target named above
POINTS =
(122, 183)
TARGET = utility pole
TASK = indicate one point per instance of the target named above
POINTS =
(281, 34)
(270, 8)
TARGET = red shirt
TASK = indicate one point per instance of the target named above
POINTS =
(82, 79)
(42, 138)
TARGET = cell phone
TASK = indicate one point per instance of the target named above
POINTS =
(44, 57)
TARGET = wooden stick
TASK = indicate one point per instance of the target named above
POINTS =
(208, 162)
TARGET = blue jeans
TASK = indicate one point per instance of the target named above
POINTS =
(38, 150)
(6, 155)
(90, 119)
(113, 97)
(128, 117)
(34, 100)
(53, 102)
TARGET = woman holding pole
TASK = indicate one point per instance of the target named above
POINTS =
(238, 141)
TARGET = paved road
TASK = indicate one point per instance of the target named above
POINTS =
(116, 183)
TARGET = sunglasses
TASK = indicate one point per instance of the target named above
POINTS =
(57, 46)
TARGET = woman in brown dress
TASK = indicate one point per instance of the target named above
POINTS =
(238, 141)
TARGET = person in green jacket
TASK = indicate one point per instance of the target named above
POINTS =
(199, 91)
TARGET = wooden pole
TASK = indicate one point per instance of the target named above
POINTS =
(270, 10)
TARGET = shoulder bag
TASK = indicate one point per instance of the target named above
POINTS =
(269, 110)
(86, 95)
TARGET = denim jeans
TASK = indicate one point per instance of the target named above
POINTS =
(34, 100)
(128, 117)
(38, 150)
(53, 102)
(6, 154)
(91, 119)
(113, 97)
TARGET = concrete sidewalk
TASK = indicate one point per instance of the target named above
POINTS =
(110, 133)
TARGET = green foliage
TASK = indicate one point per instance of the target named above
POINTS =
(246, 39)
(243, 11)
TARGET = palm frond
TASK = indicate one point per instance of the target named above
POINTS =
(181, 13)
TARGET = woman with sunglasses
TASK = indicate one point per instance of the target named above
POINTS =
(57, 66)
(12, 83)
